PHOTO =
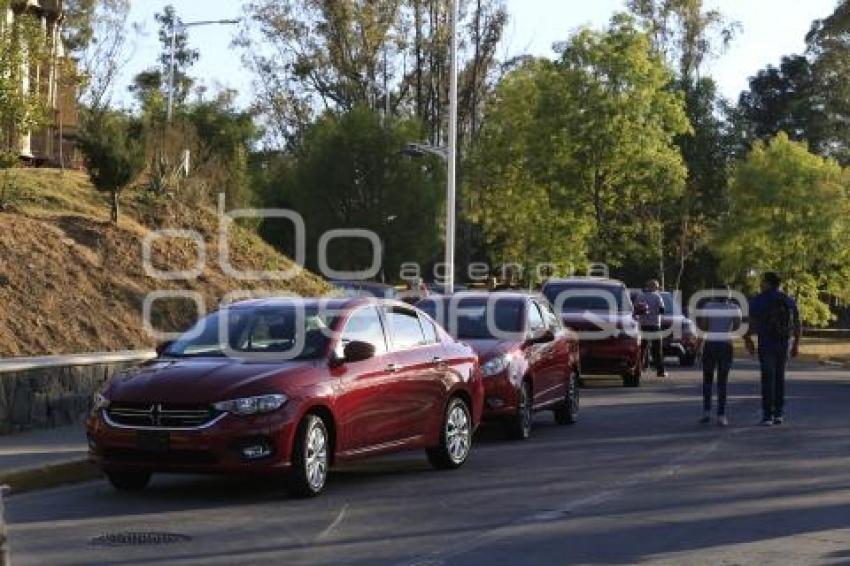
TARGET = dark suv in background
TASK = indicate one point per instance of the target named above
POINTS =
(601, 311)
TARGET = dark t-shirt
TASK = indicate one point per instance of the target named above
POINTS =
(759, 308)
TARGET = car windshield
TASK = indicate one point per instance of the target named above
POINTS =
(469, 319)
(582, 298)
(288, 332)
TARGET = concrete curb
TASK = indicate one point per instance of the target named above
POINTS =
(50, 475)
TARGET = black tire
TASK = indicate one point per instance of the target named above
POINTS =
(519, 427)
(310, 458)
(567, 413)
(687, 360)
(129, 480)
(632, 379)
(455, 437)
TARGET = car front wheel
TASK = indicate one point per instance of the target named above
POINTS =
(568, 412)
(455, 437)
(310, 458)
(519, 427)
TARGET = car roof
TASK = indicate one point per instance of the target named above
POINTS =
(335, 303)
(510, 295)
(586, 282)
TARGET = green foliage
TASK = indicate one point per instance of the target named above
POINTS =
(516, 192)
(114, 149)
(151, 85)
(351, 173)
(23, 45)
(789, 211)
(579, 153)
(785, 99)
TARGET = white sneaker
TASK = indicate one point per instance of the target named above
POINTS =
(722, 420)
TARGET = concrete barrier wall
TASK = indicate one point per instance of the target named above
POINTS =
(52, 391)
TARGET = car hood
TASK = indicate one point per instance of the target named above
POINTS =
(488, 349)
(201, 380)
(592, 320)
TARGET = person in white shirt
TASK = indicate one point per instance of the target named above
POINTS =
(719, 318)
(650, 324)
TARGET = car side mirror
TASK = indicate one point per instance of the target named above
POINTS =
(357, 351)
(542, 337)
(641, 309)
(162, 347)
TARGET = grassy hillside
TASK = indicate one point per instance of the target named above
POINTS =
(72, 282)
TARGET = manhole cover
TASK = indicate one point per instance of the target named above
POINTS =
(138, 539)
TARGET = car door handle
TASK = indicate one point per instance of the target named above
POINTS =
(392, 368)
(439, 361)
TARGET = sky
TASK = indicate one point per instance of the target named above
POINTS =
(770, 29)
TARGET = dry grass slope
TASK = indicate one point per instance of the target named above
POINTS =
(71, 282)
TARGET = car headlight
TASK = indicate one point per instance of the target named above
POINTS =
(99, 402)
(496, 365)
(252, 405)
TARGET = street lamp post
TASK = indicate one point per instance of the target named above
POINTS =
(184, 25)
(452, 155)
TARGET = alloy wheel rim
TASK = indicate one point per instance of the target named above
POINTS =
(458, 433)
(316, 457)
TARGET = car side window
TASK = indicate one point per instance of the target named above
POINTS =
(404, 328)
(535, 319)
(364, 326)
(430, 330)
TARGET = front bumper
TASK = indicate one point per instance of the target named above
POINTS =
(611, 356)
(501, 397)
(217, 449)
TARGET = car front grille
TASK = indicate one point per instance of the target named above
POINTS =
(161, 415)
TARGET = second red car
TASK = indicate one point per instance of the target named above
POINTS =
(529, 360)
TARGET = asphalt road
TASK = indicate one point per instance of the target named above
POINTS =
(636, 481)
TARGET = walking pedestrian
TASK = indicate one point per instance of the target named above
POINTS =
(719, 319)
(650, 324)
(775, 320)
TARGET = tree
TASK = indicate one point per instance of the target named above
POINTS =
(23, 46)
(687, 35)
(828, 49)
(789, 211)
(152, 83)
(784, 99)
(319, 55)
(114, 150)
(97, 37)
(588, 137)
(522, 204)
(351, 173)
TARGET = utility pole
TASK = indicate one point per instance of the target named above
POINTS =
(452, 154)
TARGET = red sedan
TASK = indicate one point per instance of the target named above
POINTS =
(601, 311)
(291, 386)
(529, 360)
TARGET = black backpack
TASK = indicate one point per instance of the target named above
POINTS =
(778, 319)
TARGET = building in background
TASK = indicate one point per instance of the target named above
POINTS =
(55, 144)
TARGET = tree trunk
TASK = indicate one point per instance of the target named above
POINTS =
(114, 213)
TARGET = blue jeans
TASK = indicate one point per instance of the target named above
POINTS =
(716, 356)
(773, 361)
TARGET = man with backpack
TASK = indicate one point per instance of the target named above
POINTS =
(774, 318)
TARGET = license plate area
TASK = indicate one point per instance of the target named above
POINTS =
(153, 440)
